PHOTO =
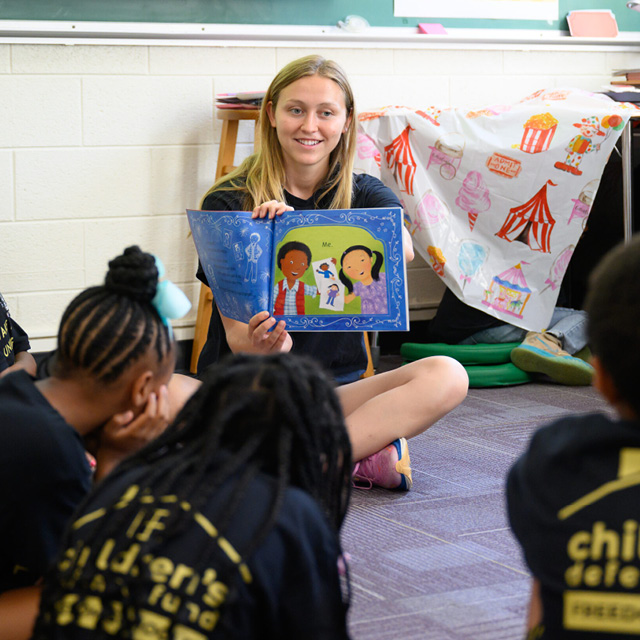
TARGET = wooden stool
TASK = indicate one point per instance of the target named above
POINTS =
(226, 154)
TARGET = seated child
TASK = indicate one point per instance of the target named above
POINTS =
(226, 526)
(114, 361)
(14, 344)
(572, 496)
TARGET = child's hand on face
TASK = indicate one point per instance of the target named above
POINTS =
(125, 434)
(265, 341)
(270, 209)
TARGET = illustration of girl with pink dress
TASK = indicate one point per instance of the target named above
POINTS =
(360, 274)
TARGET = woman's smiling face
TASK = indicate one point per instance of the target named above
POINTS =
(310, 118)
(357, 264)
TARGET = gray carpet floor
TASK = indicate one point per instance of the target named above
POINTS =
(439, 562)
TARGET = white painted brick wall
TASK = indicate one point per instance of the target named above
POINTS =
(42, 256)
(40, 111)
(79, 59)
(6, 189)
(145, 110)
(104, 146)
(5, 58)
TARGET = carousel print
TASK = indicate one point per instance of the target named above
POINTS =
(531, 223)
(508, 292)
(400, 160)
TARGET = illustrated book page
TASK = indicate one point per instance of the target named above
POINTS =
(321, 270)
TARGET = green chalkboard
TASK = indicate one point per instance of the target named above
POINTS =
(379, 13)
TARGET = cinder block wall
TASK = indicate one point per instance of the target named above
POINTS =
(103, 146)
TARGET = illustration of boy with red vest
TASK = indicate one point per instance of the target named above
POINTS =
(293, 259)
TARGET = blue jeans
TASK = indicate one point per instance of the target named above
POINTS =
(569, 325)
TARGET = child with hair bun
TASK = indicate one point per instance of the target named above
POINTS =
(226, 526)
(109, 382)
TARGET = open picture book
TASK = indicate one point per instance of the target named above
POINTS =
(321, 270)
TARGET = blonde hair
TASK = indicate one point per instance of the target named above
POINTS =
(261, 176)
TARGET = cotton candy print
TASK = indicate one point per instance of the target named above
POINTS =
(496, 198)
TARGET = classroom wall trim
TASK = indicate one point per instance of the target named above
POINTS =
(180, 34)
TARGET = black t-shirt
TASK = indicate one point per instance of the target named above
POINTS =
(13, 339)
(573, 505)
(341, 353)
(289, 587)
(44, 474)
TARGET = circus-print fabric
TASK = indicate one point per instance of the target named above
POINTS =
(496, 199)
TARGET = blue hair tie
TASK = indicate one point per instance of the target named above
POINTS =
(170, 301)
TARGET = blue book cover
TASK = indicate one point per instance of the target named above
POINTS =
(320, 270)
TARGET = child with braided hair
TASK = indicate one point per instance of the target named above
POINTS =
(226, 526)
(109, 381)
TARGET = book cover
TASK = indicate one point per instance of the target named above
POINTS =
(320, 270)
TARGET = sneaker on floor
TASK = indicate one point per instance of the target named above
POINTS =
(541, 353)
(389, 468)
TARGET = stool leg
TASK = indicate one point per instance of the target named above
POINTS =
(370, 370)
(203, 317)
(226, 154)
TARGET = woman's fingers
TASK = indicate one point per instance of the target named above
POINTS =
(266, 334)
(270, 209)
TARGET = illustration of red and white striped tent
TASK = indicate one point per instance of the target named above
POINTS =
(531, 222)
(400, 160)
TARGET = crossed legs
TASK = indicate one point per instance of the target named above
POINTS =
(401, 403)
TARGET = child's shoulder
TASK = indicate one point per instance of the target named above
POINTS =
(572, 432)
(574, 442)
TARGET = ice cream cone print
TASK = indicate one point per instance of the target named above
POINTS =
(473, 197)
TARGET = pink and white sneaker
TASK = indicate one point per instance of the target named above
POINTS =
(389, 468)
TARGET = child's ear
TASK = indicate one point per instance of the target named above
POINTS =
(141, 388)
(603, 382)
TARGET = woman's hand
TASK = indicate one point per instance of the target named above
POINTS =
(270, 209)
(125, 434)
(265, 341)
(407, 243)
